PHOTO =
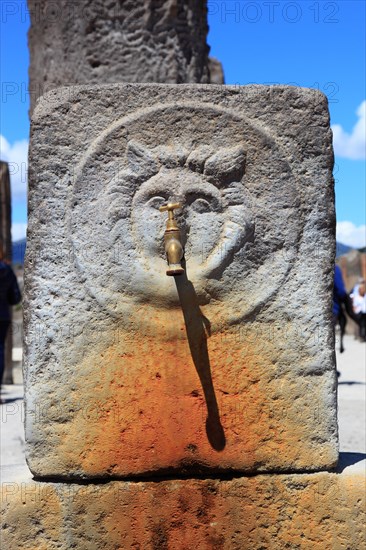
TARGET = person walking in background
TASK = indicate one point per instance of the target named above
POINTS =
(339, 298)
(9, 296)
(359, 307)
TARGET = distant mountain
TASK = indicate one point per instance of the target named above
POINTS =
(342, 249)
(19, 251)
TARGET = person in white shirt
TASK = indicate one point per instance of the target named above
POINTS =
(359, 307)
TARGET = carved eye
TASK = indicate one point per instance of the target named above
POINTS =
(156, 201)
(201, 206)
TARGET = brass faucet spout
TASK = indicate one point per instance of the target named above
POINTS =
(173, 241)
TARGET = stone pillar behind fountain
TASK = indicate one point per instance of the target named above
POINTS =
(229, 368)
(5, 240)
(97, 42)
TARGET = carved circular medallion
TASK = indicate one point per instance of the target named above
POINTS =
(239, 216)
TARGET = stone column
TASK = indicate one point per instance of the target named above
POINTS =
(5, 239)
(102, 42)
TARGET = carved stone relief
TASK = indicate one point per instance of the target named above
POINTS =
(223, 367)
(227, 173)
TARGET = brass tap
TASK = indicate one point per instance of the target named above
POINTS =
(173, 242)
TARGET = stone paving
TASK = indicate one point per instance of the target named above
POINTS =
(352, 396)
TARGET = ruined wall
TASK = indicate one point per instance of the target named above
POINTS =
(5, 240)
(353, 266)
(97, 42)
(5, 210)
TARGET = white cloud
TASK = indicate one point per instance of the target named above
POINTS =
(353, 145)
(18, 231)
(348, 233)
(17, 157)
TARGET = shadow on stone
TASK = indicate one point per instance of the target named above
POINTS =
(351, 383)
(198, 329)
(5, 401)
(349, 459)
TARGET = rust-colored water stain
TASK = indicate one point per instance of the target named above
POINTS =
(148, 403)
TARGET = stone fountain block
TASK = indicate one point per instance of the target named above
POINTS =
(228, 367)
(303, 511)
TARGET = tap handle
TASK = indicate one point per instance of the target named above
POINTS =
(170, 207)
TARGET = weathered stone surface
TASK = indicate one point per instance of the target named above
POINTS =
(304, 511)
(98, 42)
(230, 367)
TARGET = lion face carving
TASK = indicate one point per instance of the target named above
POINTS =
(215, 218)
(237, 214)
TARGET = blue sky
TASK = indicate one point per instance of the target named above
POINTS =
(306, 43)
